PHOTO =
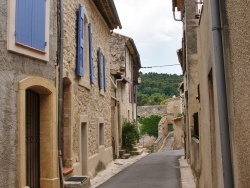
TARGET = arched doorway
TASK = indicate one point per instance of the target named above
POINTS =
(37, 133)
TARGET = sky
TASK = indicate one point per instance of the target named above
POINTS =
(156, 35)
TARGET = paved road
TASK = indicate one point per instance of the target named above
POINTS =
(157, 170)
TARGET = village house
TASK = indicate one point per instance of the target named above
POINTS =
(28, 117)
(124, 76)
(87, 127)
(218, 152)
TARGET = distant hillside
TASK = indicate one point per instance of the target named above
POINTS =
(155, 88)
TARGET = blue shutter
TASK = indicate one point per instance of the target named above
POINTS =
(80, 42)
(38, 24)
(30, 23)
(104, 73)
(24, 21)
(91, 63)
(100, 68)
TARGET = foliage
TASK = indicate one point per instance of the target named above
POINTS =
(130, 135)
(155, 88)
(149, 125)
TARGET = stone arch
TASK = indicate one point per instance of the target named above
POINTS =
(48, 130)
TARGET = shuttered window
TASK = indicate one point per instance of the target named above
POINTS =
(100, 69)
(91, 63)
(104, 74)
(80, 42)
(30, 23)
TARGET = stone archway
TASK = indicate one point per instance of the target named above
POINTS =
(48, 131)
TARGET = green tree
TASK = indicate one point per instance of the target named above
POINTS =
(130, 135)
(154, 84)
(149, 125)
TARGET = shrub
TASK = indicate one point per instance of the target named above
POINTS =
(130, 135)
(149, 125)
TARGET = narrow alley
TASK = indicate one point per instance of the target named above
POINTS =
(160, 169)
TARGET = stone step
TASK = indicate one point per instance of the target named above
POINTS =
(77, 182)
(138, 152)
(121, 152)
(135, 148)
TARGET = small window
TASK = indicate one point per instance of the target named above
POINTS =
(101, 134)
(170, 127)
(196, 125)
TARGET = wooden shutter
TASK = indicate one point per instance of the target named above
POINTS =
(24, 22)
(104, 73)
(91, 63)
(100, 69)
(30, 23)
(38, 24)
(80, 42)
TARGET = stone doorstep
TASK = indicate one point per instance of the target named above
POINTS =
(78, 184)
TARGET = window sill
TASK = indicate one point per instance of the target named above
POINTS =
(85, 83)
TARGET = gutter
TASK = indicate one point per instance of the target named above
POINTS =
(60, 93)
(219, 75)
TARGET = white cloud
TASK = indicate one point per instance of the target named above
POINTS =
(150, 23)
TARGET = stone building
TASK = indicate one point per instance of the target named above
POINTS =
(222, 91)
(124, 74)
(28, 118)
(87, 134)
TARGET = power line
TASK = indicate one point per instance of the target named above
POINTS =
(162, 66)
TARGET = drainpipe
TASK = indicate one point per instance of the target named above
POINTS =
(60, 95)
(221, 95)
(175, 17)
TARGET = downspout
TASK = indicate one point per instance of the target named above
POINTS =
(175, 17)
(221, 95)
(60, 96)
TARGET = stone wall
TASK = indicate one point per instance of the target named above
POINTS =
(16, 67)
(88, 101)
(146, 111)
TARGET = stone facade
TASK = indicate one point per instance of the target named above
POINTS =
(146, 111)
(87, 117)
(18, 73)
(220, 158)
(125, 65)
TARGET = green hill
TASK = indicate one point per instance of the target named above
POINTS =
(155, 88)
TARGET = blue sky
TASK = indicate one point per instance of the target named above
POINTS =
(157, 36)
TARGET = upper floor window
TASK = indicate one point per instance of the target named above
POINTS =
(102, 70)
(84, 67)
(28, 28)
(30, 23)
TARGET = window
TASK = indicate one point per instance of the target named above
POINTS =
(101, 134)
(84, 66)
(28, 28)
(102, 71)
(196, 125)
(170, 127)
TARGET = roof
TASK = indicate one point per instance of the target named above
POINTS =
(109, 13)
(177, 4)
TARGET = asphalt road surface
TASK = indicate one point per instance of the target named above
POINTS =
(157, 170)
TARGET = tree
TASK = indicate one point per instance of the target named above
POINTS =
(130, 135)
(149, 125)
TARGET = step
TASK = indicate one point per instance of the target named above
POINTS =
(77, 182)
(139, 152)
(121, 152)
(135, 148)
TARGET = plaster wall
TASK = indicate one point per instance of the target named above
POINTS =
(211, 174)
(88, 99)
(236, 41)
(14, 68)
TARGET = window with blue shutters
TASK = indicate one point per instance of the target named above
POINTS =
(80, 42)
(30, 23)
(104, 74)
(100, 69)
(102, 81)
(91, 63)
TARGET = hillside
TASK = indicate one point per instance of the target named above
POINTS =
(155, 88)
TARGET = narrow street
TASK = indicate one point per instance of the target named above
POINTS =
(159, 170)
